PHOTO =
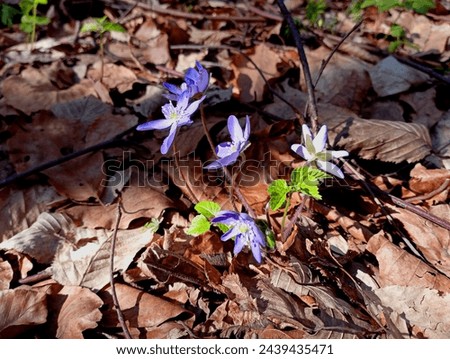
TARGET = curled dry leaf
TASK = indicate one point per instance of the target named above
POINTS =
(398, 267)
(141, 309)
(21, 307)
(28, 97)
(21, 207)
(72, 310)
(425, 309)
(430, 239)
(88, 266)
(6, 274)
(42, 238)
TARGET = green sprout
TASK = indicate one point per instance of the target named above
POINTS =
(7, 14)
(315, 9)
(102, 26)
(30, 18)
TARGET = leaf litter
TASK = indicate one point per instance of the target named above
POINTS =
(353, 267)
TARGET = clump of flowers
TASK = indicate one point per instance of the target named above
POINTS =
(228, 152)
(314, 151)
(244, 230)
(196, 81)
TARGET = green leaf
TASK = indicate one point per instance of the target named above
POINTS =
(397, 31)
(207, 208)
(41, 20)
(91, 27)
(153, 225)
(199, 225)
(421, 6)
(7, 14)
(307, 179)
(270, 236)
(278, 191)
(111, 26)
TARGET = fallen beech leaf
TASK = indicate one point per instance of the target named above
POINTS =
(390, 77)
(41, 240)
(430, 239)
(6, 274)
(425, 309)
(425, 181)
(114, 76)
(141, 309)
(21, 207)
(88, 266)
(398, 267)
(73, 310)
(28, 97)
(21, 307)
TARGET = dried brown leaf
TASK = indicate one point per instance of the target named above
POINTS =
(398, 267)
(141, 309)
(73, 310)
(88, 266)
(425, 309)
(21, 207)
(430, 239)
(21, 307)
(6, 274)
(41, 239)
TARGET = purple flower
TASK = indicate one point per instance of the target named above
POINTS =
(314, 151)
(244, 230)
(228, 152)
(196, 81)
(175, 116)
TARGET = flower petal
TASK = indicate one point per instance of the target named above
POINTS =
(330, 168)
(247, 128)
(302, 151)
(256, 251)
(306, 132)
(154, 125)
(225, 217)
(225, 149)
(339, 154)
(194, 106)
(233, 232)
(172, 88)
(167, 143)
(239, 243)
(320, 140)
(235, 129)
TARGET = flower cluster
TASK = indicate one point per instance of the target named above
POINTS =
(228, 152)
(196, 81)
(314, 151)
(244, 230)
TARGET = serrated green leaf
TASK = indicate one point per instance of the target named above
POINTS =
(91, 27)
(422, 6)
(207, 208)
(397, 31)
(199, 225)
(111, 26)
(307, 179)
(153, 225)
(7, 14)
(278, 191)
(41, 20)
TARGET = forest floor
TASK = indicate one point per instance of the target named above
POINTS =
(80, 186)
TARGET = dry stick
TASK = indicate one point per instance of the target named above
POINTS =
(431, 194)
(193, 198)
(227, 173)
(327, 60)
(311, 106)
(193, 16)
(287, 231)
(111, 275)
(115, 141)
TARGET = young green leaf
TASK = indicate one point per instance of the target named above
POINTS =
(153, 225)
(307, 179)
(207, 208)
(111, 26)
(199, 225)
(7, 14)
(278, 191)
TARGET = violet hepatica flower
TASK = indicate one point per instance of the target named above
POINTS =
(228, 152)
(196, 81)
(175, 116)
(315, 151)
(244, 230)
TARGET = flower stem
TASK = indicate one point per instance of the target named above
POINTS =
(287, 231)
(193, 198)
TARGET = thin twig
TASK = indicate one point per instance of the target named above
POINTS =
(120, 316)
(327, 60)
(431, 194)
(311, 106)
(115, 141)
(287, 231)
(193, 16)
